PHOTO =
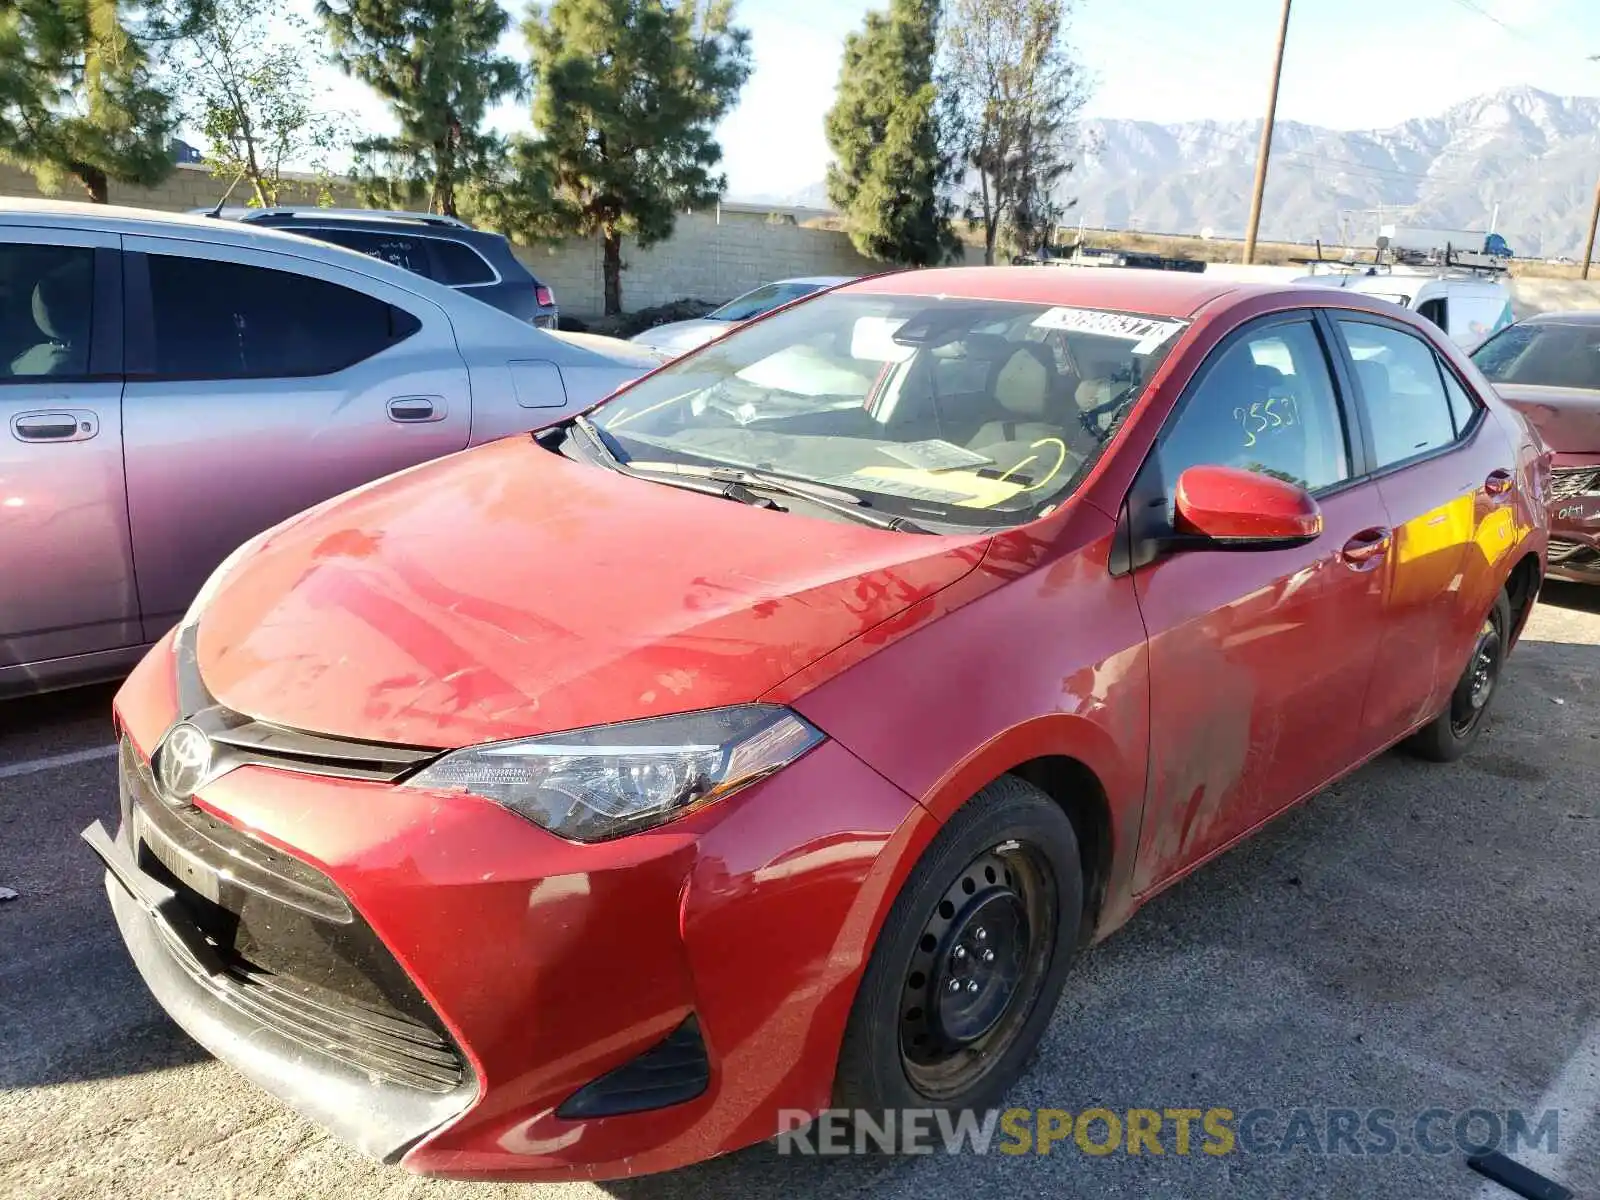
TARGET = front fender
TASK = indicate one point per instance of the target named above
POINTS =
(1050, 662)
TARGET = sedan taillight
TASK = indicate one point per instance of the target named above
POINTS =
(543, 295)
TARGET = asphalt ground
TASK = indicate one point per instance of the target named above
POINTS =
(1417, 940)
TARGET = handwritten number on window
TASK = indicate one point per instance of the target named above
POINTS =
(1275, 413)
(1253, 422)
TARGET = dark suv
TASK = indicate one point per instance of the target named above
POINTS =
(444, 249)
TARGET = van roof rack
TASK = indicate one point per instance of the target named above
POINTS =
(354, 214)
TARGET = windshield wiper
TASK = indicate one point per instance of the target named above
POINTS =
(821, 494)
(727, 489)
(597, 440)
(775, 483)
(736, 483)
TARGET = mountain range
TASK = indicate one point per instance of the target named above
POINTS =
(1522, 157)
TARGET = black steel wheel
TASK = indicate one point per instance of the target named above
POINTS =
(971, 959)
(1471, 697)
(976, 968)
(1452, 733)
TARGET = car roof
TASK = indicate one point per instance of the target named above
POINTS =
(116, 218)
(143, 222)
(475, 323)
(1580, 316)
(1157, 293)
(367, 219)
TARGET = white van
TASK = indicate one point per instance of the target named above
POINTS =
(1468, 307)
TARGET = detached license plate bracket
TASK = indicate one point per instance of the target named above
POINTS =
(158, 900)
(199, 877)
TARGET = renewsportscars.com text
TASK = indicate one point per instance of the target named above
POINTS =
(1180, 1131)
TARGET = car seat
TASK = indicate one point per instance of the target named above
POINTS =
(1377, 389)
(1024, 398)
(1030, 403)
(61, 314)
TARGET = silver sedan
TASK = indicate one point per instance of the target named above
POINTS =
(171, 386)
(680, 337)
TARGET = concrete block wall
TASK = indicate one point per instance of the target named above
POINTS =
(710, 256)
(189, 186)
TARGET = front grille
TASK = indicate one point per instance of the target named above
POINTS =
(396, 1051)
(1567, 482)
(295, 955)
(1572, 556)
(194, 845)
(238, 740)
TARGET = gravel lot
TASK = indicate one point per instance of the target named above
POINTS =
(1417, 937)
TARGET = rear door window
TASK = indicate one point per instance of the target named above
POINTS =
(458, 265)
(1462, 406)
(408, 252)
(46, 306)
(222, 320)
(1398, 377)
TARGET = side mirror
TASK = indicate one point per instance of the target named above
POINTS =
(1244, 510)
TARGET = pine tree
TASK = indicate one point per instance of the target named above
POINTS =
(77, 99)
(891, 173)
(434, 62)
(627, 94)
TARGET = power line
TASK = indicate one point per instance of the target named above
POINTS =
(1477, 9)
(1489, 16)
(1353, 167)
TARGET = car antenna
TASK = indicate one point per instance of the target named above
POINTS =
(216, 212)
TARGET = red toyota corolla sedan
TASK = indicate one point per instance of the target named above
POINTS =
(771, 738)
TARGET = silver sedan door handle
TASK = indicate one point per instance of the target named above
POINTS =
(64, 425)
(411, 410)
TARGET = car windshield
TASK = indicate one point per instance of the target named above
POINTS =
(1543, 355)
(763, 299)
(971, 411)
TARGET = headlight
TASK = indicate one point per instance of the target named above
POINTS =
(596, 784)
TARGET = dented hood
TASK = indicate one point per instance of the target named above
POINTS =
(506, 591)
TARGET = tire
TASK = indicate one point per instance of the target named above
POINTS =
(1019, 853)
(1453, 732)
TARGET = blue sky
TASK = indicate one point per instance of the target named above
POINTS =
(1351, 64)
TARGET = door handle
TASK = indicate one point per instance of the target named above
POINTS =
(414, 409)
(1499, 482)
(63, 425)
(1366, 549)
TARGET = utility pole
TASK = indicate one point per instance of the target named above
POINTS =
(1594, 219)
(1594, 216)
(1266, 140)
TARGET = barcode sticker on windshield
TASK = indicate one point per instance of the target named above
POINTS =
(1148, 332)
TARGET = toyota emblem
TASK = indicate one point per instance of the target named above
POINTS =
(184, 762)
